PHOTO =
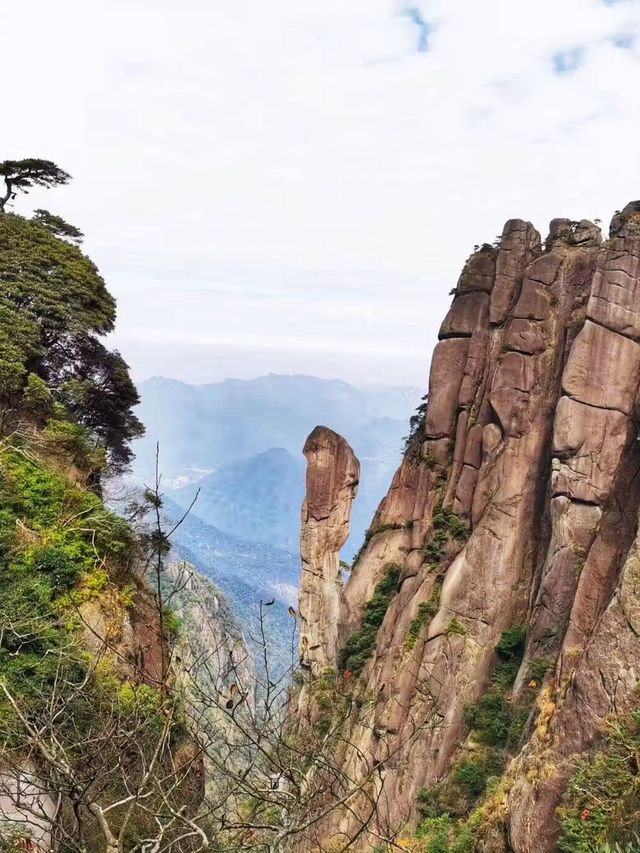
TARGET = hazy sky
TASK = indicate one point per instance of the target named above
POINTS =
(294, 185)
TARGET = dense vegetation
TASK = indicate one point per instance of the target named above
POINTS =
(601, 806)
(82, 716)
(59, 546)
(54, 308)
(89, 723)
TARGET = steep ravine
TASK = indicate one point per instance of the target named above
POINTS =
(510, 527)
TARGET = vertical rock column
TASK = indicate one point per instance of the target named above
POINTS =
(593, 431)
(333, 472)
(587, 605)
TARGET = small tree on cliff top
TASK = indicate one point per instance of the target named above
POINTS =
(22, 175)
(58, 226)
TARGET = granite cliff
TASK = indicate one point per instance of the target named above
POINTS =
(505, 554)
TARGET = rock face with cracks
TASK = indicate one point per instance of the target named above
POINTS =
(516, 504)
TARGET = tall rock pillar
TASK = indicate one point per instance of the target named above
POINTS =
(333, 472)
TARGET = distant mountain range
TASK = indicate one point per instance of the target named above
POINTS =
(246, 573)
(257, 499)
(211, 426)
(240, 443)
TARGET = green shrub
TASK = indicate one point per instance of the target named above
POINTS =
(359, 647)
(446, 527)
(510, 646)
(601, 806)
(37, 398)
(473, 772)
(489, 717)
(455, 627)
(426, 611)
(76, 442)
(459, 792)
(621, 847)
(495, 718)
(172, 622)
(443, 835)
(63, 564)
(539, 668)
(431, 802)
(437, 831)
(449, 822)
(54, 537)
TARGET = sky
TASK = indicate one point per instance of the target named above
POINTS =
(293, 186)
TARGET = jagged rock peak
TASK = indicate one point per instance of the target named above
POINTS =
(626, 222)
(516, 506)
(333, 472)
(582, 233)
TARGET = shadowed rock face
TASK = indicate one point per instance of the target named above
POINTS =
(517, 502)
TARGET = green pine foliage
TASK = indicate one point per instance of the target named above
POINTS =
(54, 309)
(70, 568)
(467, 781)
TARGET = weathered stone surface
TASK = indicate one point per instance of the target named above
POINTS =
(588, 445)
(465, 490)
(445, 378)
(525, 336)
(519, 245)
(573, 531)
(479, 271)
(534, 302)
(333, 473)
(603, 370)
(475, 366)
(559, 229)
(510, 392)
(627, 222)
(461, 438)
(544, 269)
(468, 311)
(437, 450)
(473, 446)
(586, 233)
(583, 233)
(614, 302)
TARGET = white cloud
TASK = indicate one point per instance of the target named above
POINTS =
(301, 172)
